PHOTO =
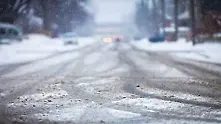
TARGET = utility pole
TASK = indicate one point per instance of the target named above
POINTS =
(155, 16)
(176, 18)
(163, 15)
(193, 21)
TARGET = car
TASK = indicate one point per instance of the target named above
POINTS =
(118, 38)
(10, 33)
(70, 42)
(107, 39)
(70, 38)
(157, 38)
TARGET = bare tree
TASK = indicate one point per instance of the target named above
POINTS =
(10, 10)
(142, 17)
(61, 12)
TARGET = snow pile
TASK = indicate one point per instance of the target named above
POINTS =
(172, 29)
(208, 52)
(36, 47)
(181, 45)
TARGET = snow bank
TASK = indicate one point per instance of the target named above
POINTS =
(208, 52)
(181, 45)
(36, 47)
(172, 29)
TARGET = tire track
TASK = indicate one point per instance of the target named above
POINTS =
(7, 68)
(130, 85)
(30, 84)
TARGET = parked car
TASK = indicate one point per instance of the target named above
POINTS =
(70, 38)
(70, 42)
(157, 38)
(10, 33)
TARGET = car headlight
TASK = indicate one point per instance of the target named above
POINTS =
(107, 40)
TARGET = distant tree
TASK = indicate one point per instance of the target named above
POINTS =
(71, 15)
(211, 5)
(10, 10)
(142, 17)
(61, 12)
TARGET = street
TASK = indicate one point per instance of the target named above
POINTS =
(110, 83)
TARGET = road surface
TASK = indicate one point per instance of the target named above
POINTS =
(110, 83)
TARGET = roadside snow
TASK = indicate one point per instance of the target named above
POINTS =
(181, 45)
(36, 47)
(91, 113)
(172, 29)
(208, 52)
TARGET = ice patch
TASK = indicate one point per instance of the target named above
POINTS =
(151, 103)
(118, 113)
(86, 112)
(37, 99)
(92, 58)
(105, 66)
(98, 82)
(65, 114)
(178, 95)
(41, 65)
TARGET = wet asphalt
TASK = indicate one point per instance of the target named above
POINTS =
(110, 83)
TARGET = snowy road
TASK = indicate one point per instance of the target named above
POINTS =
(111, 83)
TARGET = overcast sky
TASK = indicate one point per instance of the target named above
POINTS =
(113, 11)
